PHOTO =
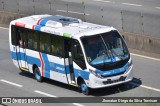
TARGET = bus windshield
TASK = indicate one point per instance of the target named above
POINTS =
(104, 49)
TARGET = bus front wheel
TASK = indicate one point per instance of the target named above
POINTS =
(37, 75)
(85, 90)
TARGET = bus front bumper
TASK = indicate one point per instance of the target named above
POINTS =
(95, 82)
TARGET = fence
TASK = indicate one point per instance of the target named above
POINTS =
(136, 23)
(126, 21)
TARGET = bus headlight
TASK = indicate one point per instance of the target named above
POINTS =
(129, 65)
(95, 73)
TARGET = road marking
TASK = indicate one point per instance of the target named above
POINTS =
(78, 13)
(75, 12)
(144, 86)
(4, 28)
(61, 10)
(145, 57)
(138, 5)
(12, 83)
(43, 93)
(103, 1)
(77, 104)
(157, 7)
(72, 12)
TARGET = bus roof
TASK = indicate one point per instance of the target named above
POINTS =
(61, 25)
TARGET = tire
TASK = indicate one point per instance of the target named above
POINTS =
(38, 75)
(84, 89)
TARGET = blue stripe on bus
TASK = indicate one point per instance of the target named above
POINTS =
(112, 72)
(101, 61)
(46, 65)
(59, 68)
(82, 73)
(37, 27)
(30, 60)
(51, 66)
(43, 22)
(67, 69)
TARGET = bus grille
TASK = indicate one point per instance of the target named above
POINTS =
(109, 81)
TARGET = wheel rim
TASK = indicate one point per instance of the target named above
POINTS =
(84, 88)
(37, 73)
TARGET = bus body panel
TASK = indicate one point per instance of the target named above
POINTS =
(65, 69)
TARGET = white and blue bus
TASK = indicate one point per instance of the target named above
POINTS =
(70, 51)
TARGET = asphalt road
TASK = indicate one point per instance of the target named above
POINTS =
(14, 83)
(133, 16)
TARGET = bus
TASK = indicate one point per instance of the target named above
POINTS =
(71, 51)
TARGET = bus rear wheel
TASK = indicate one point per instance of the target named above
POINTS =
(37, 75)
(85, 90)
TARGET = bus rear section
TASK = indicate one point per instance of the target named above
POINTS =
(70, 51)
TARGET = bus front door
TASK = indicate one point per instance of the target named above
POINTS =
(74, 59)
(21, 49)
(69, 62)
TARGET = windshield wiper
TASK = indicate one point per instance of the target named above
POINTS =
(106, 48)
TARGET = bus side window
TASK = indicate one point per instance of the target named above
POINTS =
(13, 35)
(21, 35)
(78, 56)
(18, 36)
(32, 40)
(45, 42)
(57, 45)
